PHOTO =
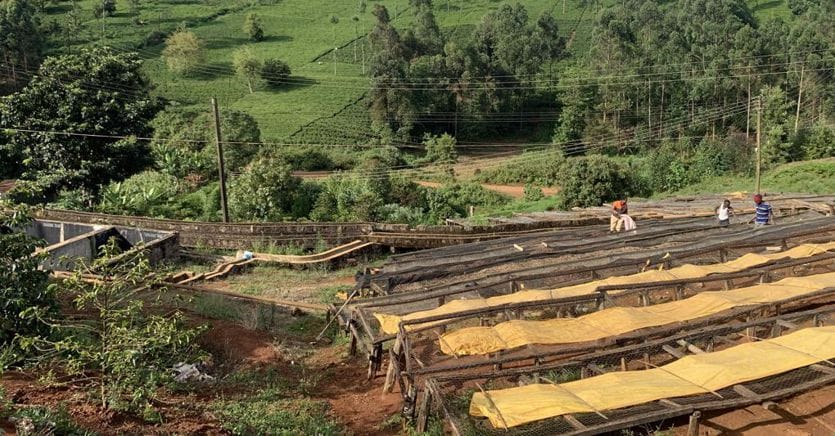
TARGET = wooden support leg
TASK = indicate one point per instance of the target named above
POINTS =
(693, 428)
(423, 407)
(391, 372)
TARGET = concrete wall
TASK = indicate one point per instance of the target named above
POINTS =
(71, 243)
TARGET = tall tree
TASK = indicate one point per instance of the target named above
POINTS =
(183, 52)
(247, 66)
(20, 38)
(391, 111)
(96, 92)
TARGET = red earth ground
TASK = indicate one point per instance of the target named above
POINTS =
(358, 404)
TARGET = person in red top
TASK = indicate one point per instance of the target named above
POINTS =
(619, 208)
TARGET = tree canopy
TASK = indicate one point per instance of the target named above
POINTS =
(72, 125)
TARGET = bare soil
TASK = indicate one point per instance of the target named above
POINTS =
(356, 403)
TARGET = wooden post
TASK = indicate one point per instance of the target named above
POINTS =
(748, 116)
(393, 362)
(759, 144)
(799, 98)
(693, 427)
(220, 166)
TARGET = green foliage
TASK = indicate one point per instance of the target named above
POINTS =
(819, 142)
(104, 8)
(440, 149)
(265, 191)
(147, 193)
(275, 72)
(454, 200)
(348, 198)
(593, 180)
(24, 287)
(124, 353)
(22, 38)
(533, 193)
(544, 168)
(60, 99)
(184, 142)
(46, 421)
(265, 413)
(183, 52)
(247, 66)
(253, 27)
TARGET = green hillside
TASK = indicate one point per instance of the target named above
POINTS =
(297, 31)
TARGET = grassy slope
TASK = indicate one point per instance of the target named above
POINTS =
(813, 177)
(297, 31)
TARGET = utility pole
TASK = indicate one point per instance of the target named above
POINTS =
(759, 144)
(220, 166)
(799, 98)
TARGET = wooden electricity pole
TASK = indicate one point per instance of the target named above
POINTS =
(759, 144)
(220, 166)
(799, 98)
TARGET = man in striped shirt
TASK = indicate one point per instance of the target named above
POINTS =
(764, 214)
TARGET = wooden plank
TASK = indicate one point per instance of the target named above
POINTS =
(670, 403)
(574, 422)
(672, 351)
(786, 324)
(692, 348)
(824, 369)
(744, 391)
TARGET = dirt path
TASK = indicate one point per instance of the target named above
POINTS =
(513, 191)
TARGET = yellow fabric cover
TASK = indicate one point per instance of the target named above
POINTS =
(389, 323)
(690, 375)
(619, 320)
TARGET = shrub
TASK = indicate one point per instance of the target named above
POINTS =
(440, 149)
(183, 52)
(147, 193)
(533, 193)
(104, 8)
(454, 200)
(275, 72)
(24, 292)
(154, 37)
(253, 28)
(544, 168)
(263, 192)
(348, 198)
(111, 344)
(592, 180)
(820, 142)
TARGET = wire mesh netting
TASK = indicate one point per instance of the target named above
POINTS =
(455, 392)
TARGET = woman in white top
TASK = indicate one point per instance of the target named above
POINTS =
(724, 213)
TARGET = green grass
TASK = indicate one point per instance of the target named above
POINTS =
(517, 206)
(268, 413)
(811, 177)
(297, 31)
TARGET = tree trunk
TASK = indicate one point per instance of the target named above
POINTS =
(249, 84)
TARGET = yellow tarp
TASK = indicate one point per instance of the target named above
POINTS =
(696, 374)
(618, 320)
(389, 323)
